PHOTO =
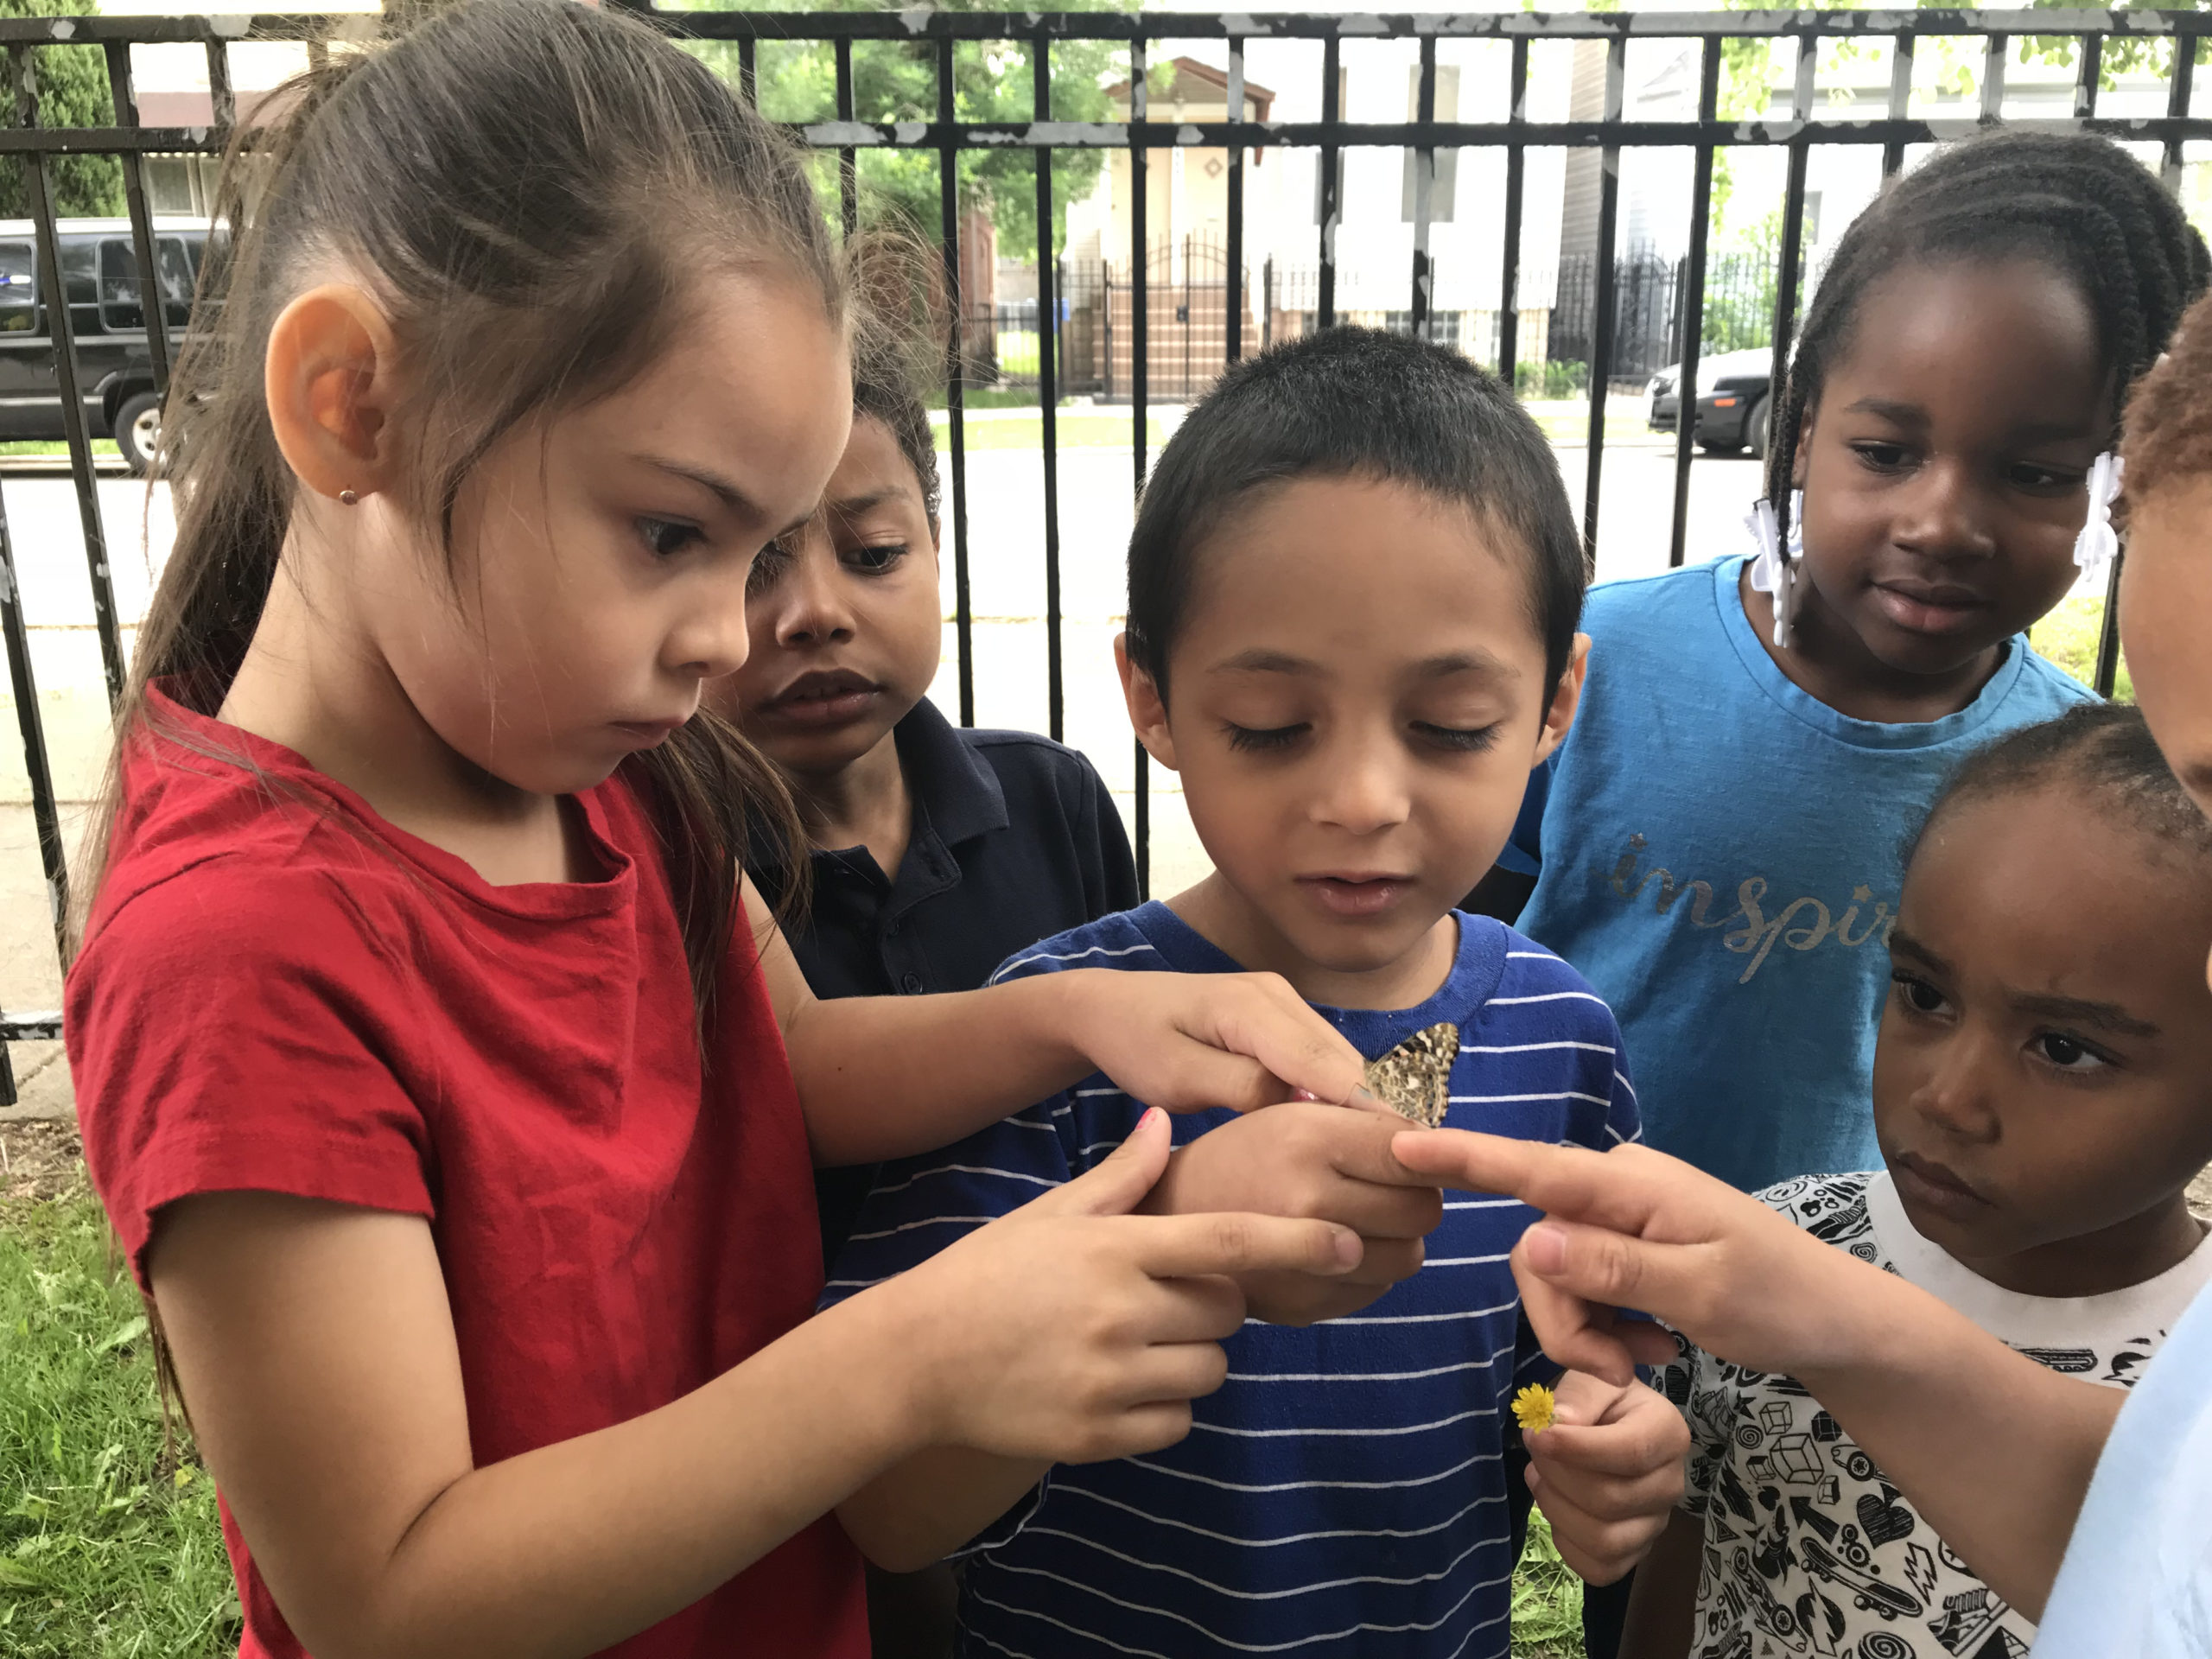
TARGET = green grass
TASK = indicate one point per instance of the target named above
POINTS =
(108, 1546)
(2069, 637)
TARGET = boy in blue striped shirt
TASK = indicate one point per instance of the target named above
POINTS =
(1354, 586)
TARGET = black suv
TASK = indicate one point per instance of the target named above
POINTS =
(100, 273)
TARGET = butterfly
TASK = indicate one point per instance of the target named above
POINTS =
(1414, 1078)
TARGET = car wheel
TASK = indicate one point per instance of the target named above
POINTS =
(1755, 425)
(139, 429)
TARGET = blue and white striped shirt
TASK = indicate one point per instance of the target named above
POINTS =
(1344, 1493)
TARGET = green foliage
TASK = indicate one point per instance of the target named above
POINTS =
(1547, 1599)
(1551, 380)
(108, 1539)
(2122, 52)
(72, 92)
(2068, 636)
(896, 80)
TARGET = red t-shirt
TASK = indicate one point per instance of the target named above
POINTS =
(280, 992)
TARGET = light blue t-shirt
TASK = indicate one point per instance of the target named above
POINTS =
(1718, 852)
(2137, 1580)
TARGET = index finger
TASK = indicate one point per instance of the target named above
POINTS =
(1620, 1190)
(1234, 1242)
(1294, 1043)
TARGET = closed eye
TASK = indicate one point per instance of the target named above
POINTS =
(1462, 740)
(1274, 737)
(2050, 481)
(1883, 457)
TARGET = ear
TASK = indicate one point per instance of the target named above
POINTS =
(330, 380)
(1804, 448)
(1565, 701)
(1148, 708)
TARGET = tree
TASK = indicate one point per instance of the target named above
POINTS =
(73, 92)
(896, 80)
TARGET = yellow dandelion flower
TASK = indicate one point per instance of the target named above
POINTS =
(1532, 1409)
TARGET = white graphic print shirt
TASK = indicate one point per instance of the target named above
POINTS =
(1807, 1550)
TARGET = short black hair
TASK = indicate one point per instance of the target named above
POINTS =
(1355, 401)
(2075, 203)
(2102, 751)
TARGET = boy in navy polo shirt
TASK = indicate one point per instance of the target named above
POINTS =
(939, 852)
(1354, 586)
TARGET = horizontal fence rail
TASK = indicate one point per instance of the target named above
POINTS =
(1163, 322)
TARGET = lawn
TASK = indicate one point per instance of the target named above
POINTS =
(108, 1547)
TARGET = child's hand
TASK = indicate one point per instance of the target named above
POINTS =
(1607, 1473)
(1190, 1042)
(1072, 1331)
(1318, 1161)
(1634, 1228)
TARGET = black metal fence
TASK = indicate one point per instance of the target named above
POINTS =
(1623, 312)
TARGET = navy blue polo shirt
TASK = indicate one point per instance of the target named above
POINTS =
(1014, 839)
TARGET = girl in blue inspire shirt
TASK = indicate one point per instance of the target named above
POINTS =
(1716, 844)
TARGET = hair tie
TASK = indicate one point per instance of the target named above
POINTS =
(2099, 541)
(1774, 564)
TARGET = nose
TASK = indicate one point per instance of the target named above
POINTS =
(1364, 788)
(810, 604)
(1956, 1095)
(1945, 513)
(711, 638)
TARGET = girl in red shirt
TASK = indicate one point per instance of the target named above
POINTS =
(459, 1133)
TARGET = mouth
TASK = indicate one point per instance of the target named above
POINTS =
(823, 698)
(649, 734)
(1357, 894)
(1937, 608)
(1938, 1187)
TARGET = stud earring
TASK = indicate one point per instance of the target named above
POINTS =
(349, 498)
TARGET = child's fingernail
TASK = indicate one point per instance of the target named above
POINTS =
(1349, 1250)
(1304, 1094)
(1363, 1095)
(1546, 1248)
(1150, 1112)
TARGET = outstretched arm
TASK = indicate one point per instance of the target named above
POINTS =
(1993, 1449)
(887, 1077)
(316, 1353)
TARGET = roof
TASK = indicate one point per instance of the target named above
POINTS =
(1209, 79)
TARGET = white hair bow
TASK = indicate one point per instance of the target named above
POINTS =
(1774, 564)
(2097, 541)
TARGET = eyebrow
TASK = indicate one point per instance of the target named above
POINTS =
(1912, 416)
(728, 493)
(1261, 660)
(852, 506)
(2078, 1010)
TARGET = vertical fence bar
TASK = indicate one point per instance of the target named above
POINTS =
(1424, 186)
(1048, 318)
(1793, 233)
(1233, 295)
(1509, 282)
(219, 87)
(964, 615)
(151, 307)
(1995, 51)
(62, 333)
(748, 69)
(2178, 91)
(1601, 330)
(1324, 304)
(46, 815)
(2087, 73)
(1139, 299)
(848, 181)
(1693, 303)
(1900, 102)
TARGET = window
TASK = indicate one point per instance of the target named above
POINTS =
(80, 281)
(1444, 191)
(18, 301)
(1344, 92)
(119, 307)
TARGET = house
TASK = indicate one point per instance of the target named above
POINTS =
(1186, 213)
